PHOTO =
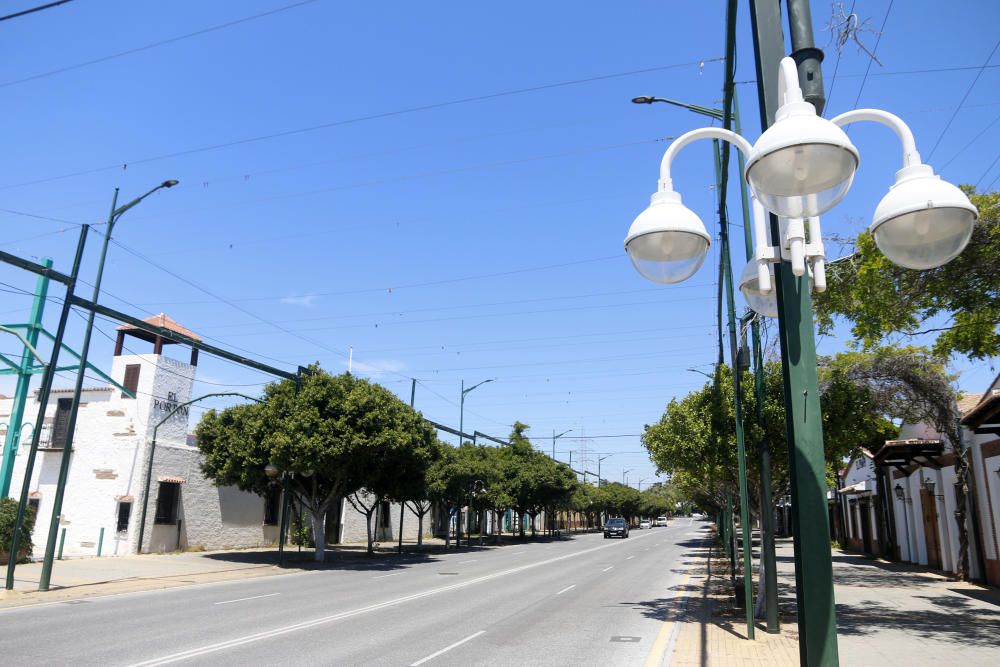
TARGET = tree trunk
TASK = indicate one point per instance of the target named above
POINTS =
(420, 530)
(368, 528)
(760, 606)
(319, 534)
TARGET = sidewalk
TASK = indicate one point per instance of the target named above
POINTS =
(887, 614)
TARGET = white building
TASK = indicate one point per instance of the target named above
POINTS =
(105, 491)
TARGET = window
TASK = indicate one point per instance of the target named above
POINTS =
(131, 381)
(166, 502)
(60, 429)
(33, 504)
(272, 501)
(124, 512)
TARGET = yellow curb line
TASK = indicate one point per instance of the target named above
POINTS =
(655, 657)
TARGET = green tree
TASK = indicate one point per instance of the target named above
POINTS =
(880, 299)
(335, 432)
(537, 482)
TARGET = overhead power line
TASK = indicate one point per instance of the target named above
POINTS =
(147, 47)
(360, 119)
(964, 97)
(25, 12)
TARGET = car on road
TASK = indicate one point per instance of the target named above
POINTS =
(660, 521)
(645, 524)
(616, 528)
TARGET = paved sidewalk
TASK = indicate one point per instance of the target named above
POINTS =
(887, 614)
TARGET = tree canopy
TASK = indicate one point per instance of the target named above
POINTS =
(880, 299)
(334, 433)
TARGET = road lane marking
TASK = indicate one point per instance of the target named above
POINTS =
(566, 589)
(608, 568)
(304, 625)
(383, 576)
(447, 648)
(254, 597)
(467, 561)
(630, 558)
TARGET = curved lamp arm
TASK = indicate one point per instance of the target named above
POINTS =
(701, 133)
(910, 155)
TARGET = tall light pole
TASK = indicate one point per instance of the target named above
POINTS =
(556, 437)
(625, 472)
(768, 559)
(599, 459)
(461, 408)
(50, 544)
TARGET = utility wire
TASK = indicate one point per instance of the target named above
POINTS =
(962, 102)
(364, 118)
(878, 40)
(39, 8)
(154, 45)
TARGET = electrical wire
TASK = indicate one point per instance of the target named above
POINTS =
(25, 12)
(360, 119)
(962, 102)
(878, 40)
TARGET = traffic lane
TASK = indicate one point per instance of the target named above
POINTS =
(211, 609)
(494, 611)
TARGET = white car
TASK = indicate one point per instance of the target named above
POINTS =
(645, 524)
(660, 521)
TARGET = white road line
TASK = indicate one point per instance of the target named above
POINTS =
(512, 553)
(608, 568)
(447, 648)
(459, 562)
(304, 625)
(566, 589)
(383, 576)
(630, 558)
(255, 597)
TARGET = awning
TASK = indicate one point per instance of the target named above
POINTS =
(124, 499)
(35, 494)
(171, 479)
(862, 487)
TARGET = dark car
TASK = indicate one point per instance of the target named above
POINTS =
(615, 528)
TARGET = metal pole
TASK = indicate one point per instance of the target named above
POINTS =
(56, 518)
(807, 471)
(62, 541)
(100, 542)
(43, 400)
(738, 403)
(23, 383)
(461, 415)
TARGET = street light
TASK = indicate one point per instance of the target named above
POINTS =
(599, 459)
(556, 437)
(461, 409)
(625, 472)
(50, 545)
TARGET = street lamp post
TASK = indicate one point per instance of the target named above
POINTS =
(599, 459)
(50, 545)
(767, 554)
(461, 408)
(625, 472)
(556, 437)
(798, 169)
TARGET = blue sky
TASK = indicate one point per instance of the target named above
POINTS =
(444, 187)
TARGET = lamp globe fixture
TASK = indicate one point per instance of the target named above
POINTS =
(667, 242)
(923, 222)
(803, 164)
(763, 303)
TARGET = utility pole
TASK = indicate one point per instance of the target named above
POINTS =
(43, 400)
(14, 425)
(807, 470)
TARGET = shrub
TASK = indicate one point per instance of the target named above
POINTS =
(8, 515)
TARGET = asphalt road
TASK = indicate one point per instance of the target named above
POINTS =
(579, 601)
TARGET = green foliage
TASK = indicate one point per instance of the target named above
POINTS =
(695, 440)
(617, 499)
(880, 299)
(8, 517)
(337, 434)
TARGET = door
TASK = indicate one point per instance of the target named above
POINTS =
(864, 510)
(928, 507)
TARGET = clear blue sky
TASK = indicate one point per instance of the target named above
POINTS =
(443, 186)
